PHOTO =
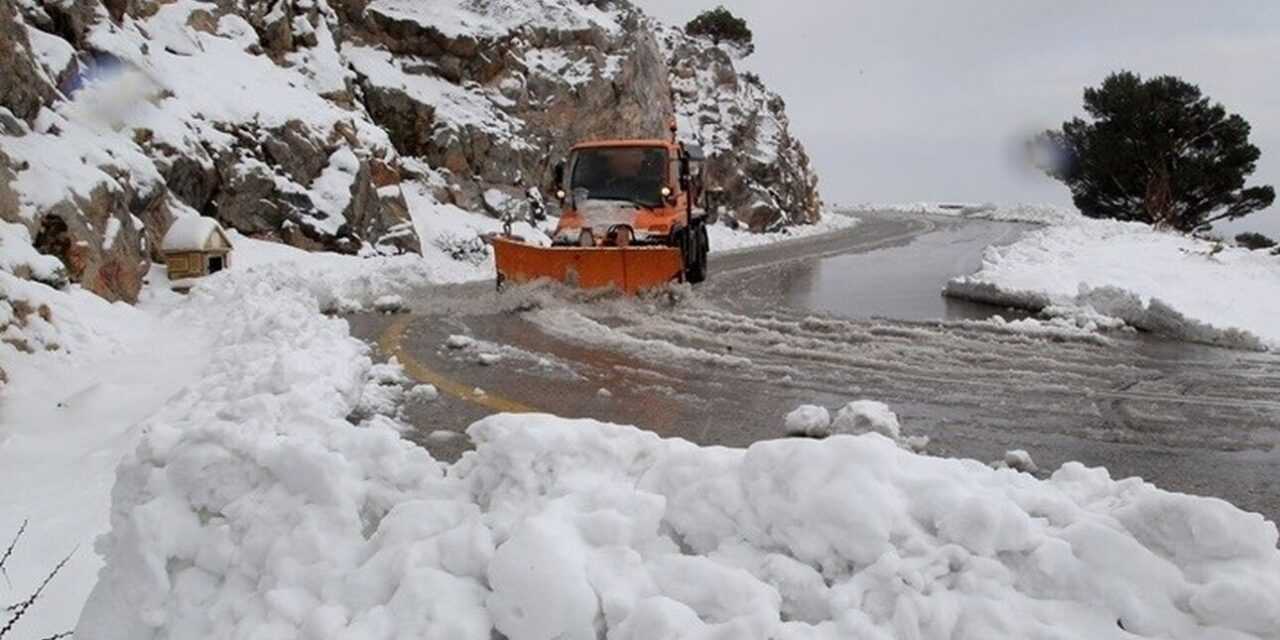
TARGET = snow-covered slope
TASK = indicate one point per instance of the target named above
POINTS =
(743, 126)
(307, 121)
(1164, 282)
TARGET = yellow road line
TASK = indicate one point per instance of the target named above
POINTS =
(391, 343)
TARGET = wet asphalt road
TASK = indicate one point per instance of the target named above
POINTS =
(852, 315)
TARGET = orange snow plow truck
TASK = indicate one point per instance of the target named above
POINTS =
(630, 219)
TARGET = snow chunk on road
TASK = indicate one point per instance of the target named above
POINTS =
(810, 420)
(459, 342)
(867, 416)
(390, 303)
(855, 418)
(1019, 460)
(423, 393)
(1162, 282)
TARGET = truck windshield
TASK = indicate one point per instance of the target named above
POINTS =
(632, 174)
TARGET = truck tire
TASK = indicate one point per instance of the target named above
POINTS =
(699, 245)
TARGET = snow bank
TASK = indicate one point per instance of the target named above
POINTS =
(1163, 282)
(261, 512)
(1019, 212)
(724, 238)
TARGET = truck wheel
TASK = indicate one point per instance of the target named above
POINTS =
(698, 245)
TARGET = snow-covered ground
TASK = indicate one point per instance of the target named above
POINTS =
(70, 411)
(266, 491)
(1164, 282)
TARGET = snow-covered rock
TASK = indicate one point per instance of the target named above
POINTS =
(314, 123)
(743, 127)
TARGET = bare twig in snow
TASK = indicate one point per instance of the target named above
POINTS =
(9, 552)
(20, 609)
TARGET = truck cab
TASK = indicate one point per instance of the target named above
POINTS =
(629, 219)
(624, 192)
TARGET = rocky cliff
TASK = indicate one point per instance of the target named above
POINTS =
(306, 121)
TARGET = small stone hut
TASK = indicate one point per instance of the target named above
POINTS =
(195, 246)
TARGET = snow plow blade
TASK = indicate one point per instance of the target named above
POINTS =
(630, 269)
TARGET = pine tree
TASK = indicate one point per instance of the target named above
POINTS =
(1157, 151)
(722, 26)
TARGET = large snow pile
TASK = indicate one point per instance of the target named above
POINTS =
(258, 511)
(1018, 212)
(1163, 282)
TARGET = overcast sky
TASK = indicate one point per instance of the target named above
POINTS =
(908, 100)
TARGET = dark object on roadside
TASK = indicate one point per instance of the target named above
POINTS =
(1254, 241)
(1156, 151)
(722, 26)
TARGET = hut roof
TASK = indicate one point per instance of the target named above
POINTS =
(194, 233)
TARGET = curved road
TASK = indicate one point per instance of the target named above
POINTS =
(804, 322)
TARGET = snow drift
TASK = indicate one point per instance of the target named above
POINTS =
(254, 508)
(1167, 283)
(1018, 212)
